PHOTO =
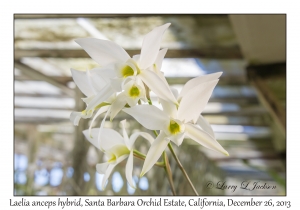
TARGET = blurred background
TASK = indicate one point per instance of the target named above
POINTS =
(247, 109)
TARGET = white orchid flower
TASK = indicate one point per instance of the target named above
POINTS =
(175, 123)
(90, 82)
(117, 149)
(115, 58)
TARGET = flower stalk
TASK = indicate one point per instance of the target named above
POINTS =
(182, 169)
(141, 156)
(169, 172)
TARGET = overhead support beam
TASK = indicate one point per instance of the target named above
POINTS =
(212, 52)
(55, 16)
(257, 76)
(32, 73)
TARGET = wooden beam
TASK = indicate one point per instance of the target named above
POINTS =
(212, 52)
(32, 73)
(256, 75)
(56, 16)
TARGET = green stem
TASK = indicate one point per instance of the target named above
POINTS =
(182, 169)
(143, 157)
(169, 172)
(177, 160)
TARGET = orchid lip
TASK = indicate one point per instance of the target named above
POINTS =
(174, 127)
(134, 91)
(127, 71)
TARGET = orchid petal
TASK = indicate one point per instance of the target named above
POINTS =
(103, 52)
(97, 82)
(109, 137)
(151, 45)
(195, 100)
(75, 117)
(169, 108)
(117, 105)
(101, 167)
(129, 168)
(103, 95)
(175, 92)
(196, 81)
(157, 85)
(108, 72)
(134, 136)
(125, 135)
(202, 122)
(155, 151)
(81, 80)
(100, 136)
(149, 116)
(100, 111)
(110, 168)
(159, 59)
(116, 84)
(203, 138)
(177, 139)
(88, 135)
(88, 99)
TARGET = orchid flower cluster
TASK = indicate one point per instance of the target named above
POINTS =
(122, 83)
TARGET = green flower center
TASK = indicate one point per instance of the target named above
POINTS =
(134, 92)
(127, 71)
(174, 128)
(112, 159)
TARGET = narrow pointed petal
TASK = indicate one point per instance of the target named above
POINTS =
(117, 105)
(193, 103)
(129, 168)
(134, 136)
(151, 45)
(100, 111)
(110, 168)
(125, 135)
(203, 138)
(82, 82)
(169, 108)
(107, 174)
(88, 99)
(155, 151)
(196, 81)
(202, 122)
(157, 85)
(101, 167)
(103, 95)
(160, 58)
(104, 52)
(149, 116)
(100, 135)
(175, 92)
(75, 117)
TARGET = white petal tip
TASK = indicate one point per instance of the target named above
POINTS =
(226, 153)
(142, 174)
